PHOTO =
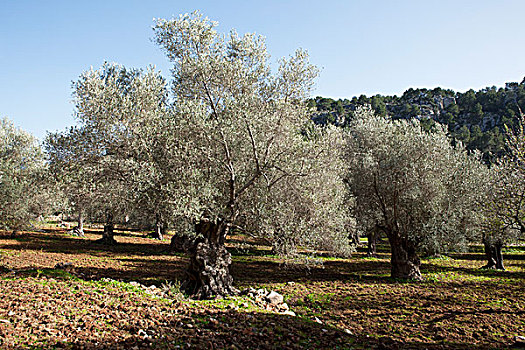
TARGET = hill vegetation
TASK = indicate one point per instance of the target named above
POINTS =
(476, 118)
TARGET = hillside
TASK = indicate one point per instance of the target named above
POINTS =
(476, 118)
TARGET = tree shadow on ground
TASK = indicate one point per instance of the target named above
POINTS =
(58, 242)
(265, 271)
(481, 257)
(146, 273)
(428, 315)
(229, 329)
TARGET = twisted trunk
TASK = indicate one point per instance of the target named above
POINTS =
(372, 236)
(404, 259)
(160, 228)
(79, 229)
(494, 255)
(208, 274)
(109, 228)
(80, 223)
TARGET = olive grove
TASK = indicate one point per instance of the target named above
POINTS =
(229, 145)
(99, 162)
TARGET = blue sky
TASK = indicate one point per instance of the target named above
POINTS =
(362, 47)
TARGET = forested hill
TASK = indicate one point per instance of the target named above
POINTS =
(477, 118)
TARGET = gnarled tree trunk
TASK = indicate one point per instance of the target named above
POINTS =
(81, 223)
(494, 255)
(79, 229)
(353, 238)
(160, 228)
(208, 274)
(108, 234)
(372, 236)
(404, 259)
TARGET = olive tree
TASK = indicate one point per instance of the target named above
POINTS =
(71, 173)
(21, 170)
(505, 207)
(413, 186)
(103, 162)
(242, 131)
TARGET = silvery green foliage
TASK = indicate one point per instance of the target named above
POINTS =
(308, 210)
(21, 167)
(413, 184)
(101, 161)
(240, 128)
(69, 170)
(505, 207)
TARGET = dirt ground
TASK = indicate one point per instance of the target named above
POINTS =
(100, 299)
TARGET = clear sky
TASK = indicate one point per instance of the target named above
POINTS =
(362, 47)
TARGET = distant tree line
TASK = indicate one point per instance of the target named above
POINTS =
(476, 118)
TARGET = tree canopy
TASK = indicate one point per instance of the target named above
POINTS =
(414, 186)
(21, 170)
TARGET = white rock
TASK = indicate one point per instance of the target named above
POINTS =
(262, 291)
(519, 339)
(274, 298)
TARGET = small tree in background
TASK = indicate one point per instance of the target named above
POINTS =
(505, 207)
(307, 210)
(414, 186)
(21, 177)
(102, 162)
(70, 172)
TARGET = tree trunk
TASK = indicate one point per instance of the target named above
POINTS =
(159, 230)
(108, 234)
(493, 255)
(372, 242)
(404, 259)
(353, 238)
(80, 224)
(208, 274)
(499, 256)
(182, 244)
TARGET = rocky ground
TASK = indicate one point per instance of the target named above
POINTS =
(60, 291)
